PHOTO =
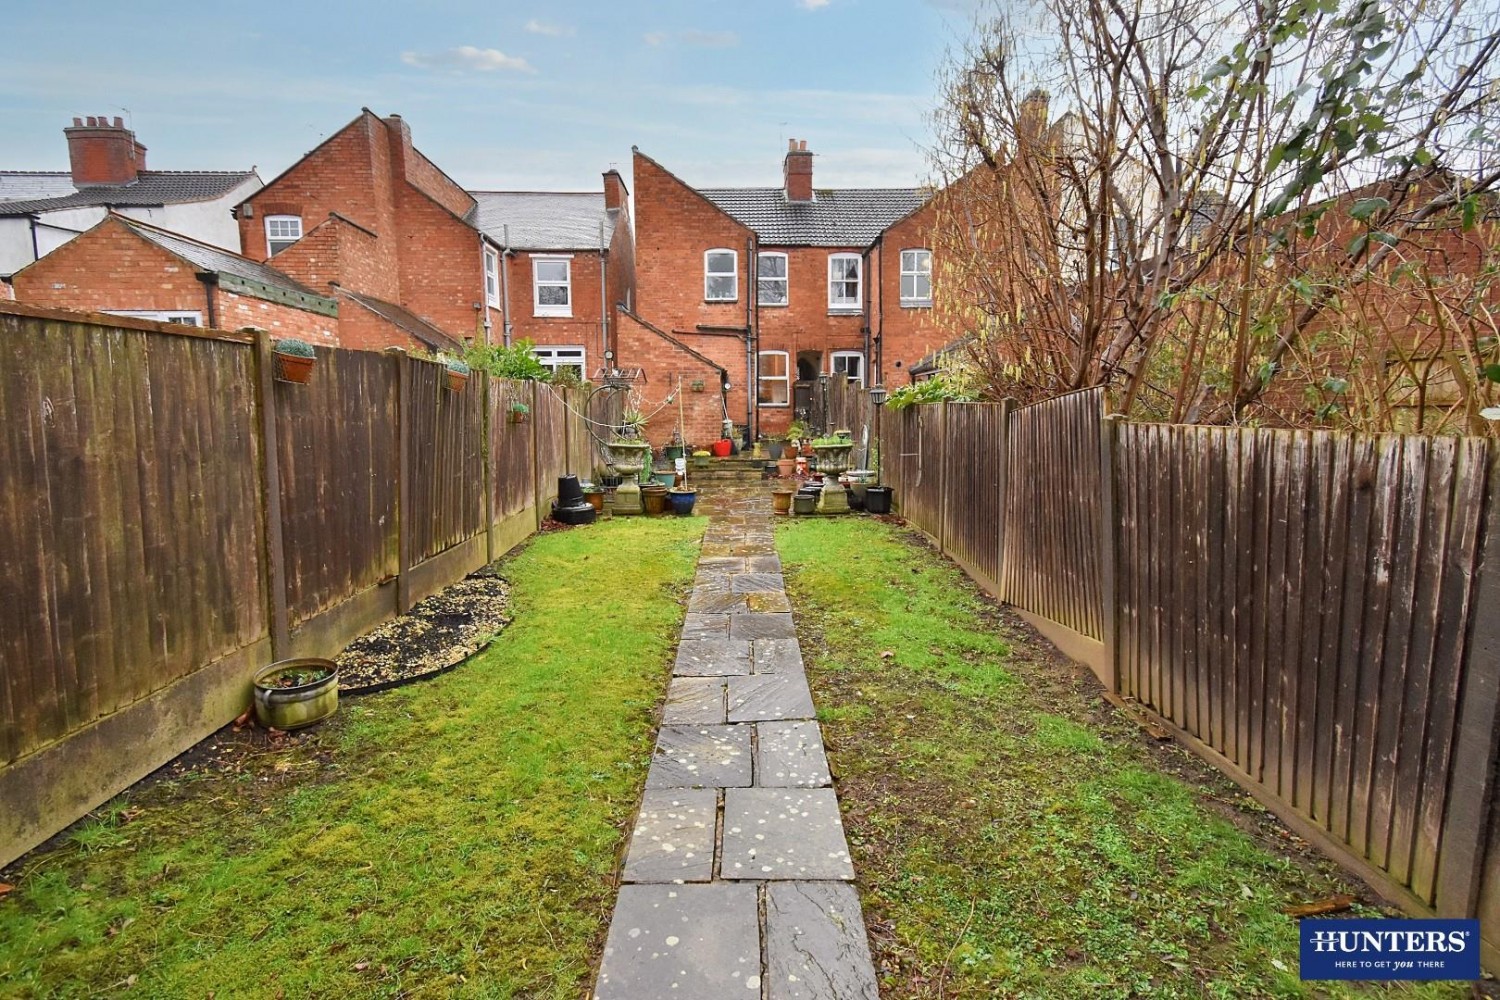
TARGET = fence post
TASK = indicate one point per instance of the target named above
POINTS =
(942, 464)
(1109, 608)
(1466, 826)
(536, 454)
(403, 481)
(487, 477)
(275, 576)
(1007, 406)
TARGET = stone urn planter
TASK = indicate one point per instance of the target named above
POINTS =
(628, 456)
(833, 455)
(290, 694)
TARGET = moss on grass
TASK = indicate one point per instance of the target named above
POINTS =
(1012, 834)
(456, 836)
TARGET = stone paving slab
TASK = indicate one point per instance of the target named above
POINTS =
(815, 943)
(790, 754)
(689, 942)
(784, 834)
(760, 626)
(710, 599)
(766, 697)
(721, 564)
(755, 583)
(776, 601)
(701, 757)
(712, 657)
(694, 700)
(706, 626)
(762, 564)
(776, 656)
(674, 837)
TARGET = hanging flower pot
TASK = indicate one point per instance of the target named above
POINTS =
(518, 413)
(293, 360)
(291, 694)
(458, 374)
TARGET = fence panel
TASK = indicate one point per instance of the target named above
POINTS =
(551, 445)
(1298, 601)
(1052, 517)
(337, 451)
(512, 459)
(972, 505)
(129, 516)
(446, 462)
(922, 446)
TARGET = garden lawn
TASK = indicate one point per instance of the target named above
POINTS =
(1014, 835)
(456, 837)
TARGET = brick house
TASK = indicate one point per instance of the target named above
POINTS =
(368, 220)
(129, 268)
(41, 210)
(771, 287)
(566, 259)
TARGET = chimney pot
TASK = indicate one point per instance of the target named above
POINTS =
(92, 121)
(77, 122)
(791, 145)
(119, 122)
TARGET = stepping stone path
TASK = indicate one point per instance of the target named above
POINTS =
(737, 880)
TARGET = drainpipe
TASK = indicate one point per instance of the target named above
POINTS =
(209, 279)
(751, 294)
(36, 249)
(880, 335)
(870, 279)
(603, 297)
(485, 285)
(505, 256)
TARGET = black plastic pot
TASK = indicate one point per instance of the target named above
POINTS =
(569, 491)
(878, 499)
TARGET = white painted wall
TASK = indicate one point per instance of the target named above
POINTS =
(208, 221)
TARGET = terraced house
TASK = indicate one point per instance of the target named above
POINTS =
(746, 295)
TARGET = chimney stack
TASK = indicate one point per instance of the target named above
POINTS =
(798, 171)
(615, 194)
(101, 152)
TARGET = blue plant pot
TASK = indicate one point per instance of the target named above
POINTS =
(682, 503)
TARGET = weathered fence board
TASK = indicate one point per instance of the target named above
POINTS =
(512, 458)
(974, 460)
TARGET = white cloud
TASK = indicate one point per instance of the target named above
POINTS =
(812, 4)
(547, 28)
(467, 57)
(693, 36)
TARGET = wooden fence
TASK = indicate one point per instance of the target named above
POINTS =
(173, 517)
(1317, 613)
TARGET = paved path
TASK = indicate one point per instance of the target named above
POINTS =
(737, 880)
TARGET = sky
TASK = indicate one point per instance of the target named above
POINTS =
(507, 94)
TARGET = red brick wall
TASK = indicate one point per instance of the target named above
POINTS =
(442, 266)
(421, 172)
(620, 271)
(665, 365)
(907, 335)
(233, 312)
(110, 267)
(579, 330)
(363, 330)
(674, 225)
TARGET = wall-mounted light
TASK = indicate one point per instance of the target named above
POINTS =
(877, 395)
(823, 379)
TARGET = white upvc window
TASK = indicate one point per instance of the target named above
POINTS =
(281, 232)
(552, 286)
(773, 379)
(182, 317)
(850, 363)
(844, 282)
(557, 358)
(491, 277)
(721, 275)
(916, 278)
(771, 276)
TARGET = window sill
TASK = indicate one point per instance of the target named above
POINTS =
(916, 304)
(772, 305)
(553, 315)
(720, 302)
(772, 406)
(845, 311)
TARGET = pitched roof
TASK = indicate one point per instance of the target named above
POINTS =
(25, 193)
(214, 259)
(545, 220)
(842, 217)
(406, 320)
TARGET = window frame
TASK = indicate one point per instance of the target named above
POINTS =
(182, 317)
(551, 309)
(785, 378)
(833, 358)
(733, 274)
(286, 242)
(915, 301)
(492, 277)
(785, 279)
(841, 306)
(551, 362)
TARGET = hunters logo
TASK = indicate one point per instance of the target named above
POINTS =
(1390, 949)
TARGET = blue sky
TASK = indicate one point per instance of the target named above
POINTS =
(506, 94)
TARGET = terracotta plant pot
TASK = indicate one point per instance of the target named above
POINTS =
(293, 367)
(786, 468)
(517, 416)
(781, 501)
(596, 500)
(457, 380)
(655, 500)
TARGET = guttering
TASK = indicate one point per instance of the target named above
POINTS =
(752, 293)
(603, 294)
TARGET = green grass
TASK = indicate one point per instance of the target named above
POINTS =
(1012, 834)
(456, 837)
